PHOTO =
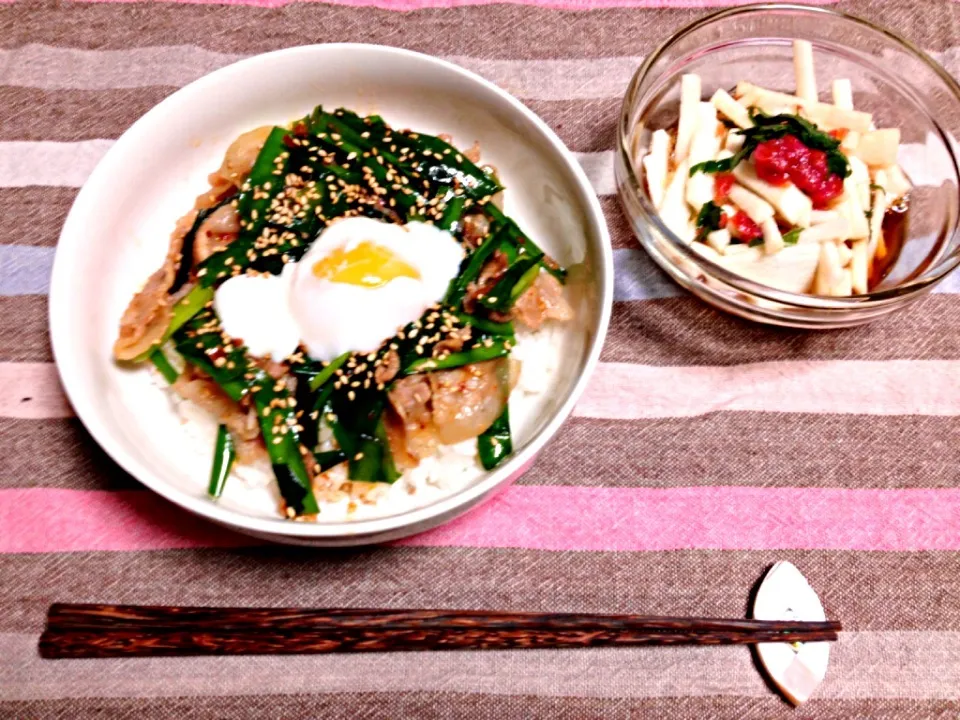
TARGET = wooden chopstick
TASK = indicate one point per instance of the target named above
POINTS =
(85, 631)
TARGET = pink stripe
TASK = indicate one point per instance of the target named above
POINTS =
(722, 518)
(542, 518)
(52, 520)
(407, 5)
(623, 391)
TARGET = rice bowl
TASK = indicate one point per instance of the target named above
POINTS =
(117, 233)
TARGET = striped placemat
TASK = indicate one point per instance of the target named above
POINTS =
(705, 449)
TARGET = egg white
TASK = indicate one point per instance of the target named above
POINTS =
(273, 314)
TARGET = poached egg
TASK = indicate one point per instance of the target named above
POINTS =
(360, 281)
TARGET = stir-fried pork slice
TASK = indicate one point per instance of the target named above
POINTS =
(410, 398)
(466, 400)
(452, 343)
(388, 368)
(397, 440)
(197, 387)
(543, 301)
(491, 273)
(216, 232)
(475, 229)
(147, 316)
(242, 154)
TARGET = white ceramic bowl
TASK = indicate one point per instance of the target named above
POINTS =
(118, 230)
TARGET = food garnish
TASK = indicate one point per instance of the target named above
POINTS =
(781, 188)
(374, 286)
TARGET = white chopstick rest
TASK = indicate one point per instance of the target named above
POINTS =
(796, 668)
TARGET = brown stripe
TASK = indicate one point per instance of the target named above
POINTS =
(23, 329)
(34, 215)
(471, 31)
(684, 331)
(457, 31)
(758, 449)
(583, 125)
(621, 235)
(70, 115)
(432, 705)
(57, 453)
(855, 587)
(746, 449)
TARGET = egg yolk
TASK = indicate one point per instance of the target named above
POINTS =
(367, 265)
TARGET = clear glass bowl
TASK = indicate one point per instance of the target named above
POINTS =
(897, 82)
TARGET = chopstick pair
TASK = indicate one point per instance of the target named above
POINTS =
(100, 631)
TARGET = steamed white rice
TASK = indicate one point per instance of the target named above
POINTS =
(252, 489)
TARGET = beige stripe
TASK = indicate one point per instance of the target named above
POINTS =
(843, 387)
(49, 163)
(47, 67)
(757, 449)
(922, 665)
(470, 31)
(32, 391)
(423, 705)
(684, 331)
(876, 591)
(67, 68)
(627, 391)
(60, 68)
